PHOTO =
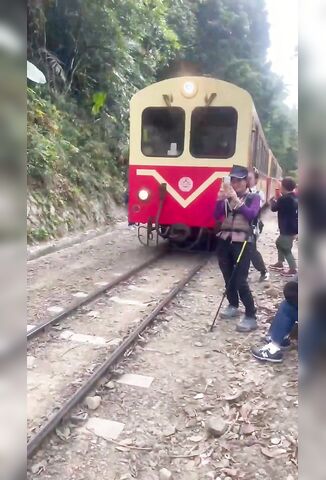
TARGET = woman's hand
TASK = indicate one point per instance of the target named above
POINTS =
(221, 195)
(232, 195)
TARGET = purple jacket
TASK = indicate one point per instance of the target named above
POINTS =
(250, 212)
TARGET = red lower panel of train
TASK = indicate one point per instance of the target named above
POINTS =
(189, 199)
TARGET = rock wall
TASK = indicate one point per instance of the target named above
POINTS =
(49, 216)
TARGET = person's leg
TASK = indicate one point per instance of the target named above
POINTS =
(283, 322)
(225, 261)
(242, 278)
(280, 250)
(248, 323)
(281, 327)
(287, 244)
(280, 256)
(257, 259)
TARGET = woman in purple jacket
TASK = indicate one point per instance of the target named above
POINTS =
(236, 208)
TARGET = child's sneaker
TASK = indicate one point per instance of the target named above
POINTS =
(266, 354)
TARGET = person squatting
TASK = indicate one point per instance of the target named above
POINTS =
(236, 210)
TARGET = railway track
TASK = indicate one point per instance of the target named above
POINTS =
(74, 306)
(117, 354)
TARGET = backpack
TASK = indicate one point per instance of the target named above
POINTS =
(257, 224)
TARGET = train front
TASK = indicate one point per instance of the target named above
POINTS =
(185, 135)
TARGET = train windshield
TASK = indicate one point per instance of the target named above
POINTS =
(163, 131)
(213, 132)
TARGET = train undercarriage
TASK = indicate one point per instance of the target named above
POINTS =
(179, 236)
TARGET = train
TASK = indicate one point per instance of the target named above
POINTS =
(185, 135)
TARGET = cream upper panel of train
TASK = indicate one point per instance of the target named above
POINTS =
(189, 101)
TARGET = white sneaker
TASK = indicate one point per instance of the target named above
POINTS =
(230, 312)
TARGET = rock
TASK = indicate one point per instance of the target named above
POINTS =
(38, 468)
(233, 397)
(79, 418)
(165, 474)
(272, 452)
(196, 438)
(198, 344)
(110, 385)
(169, 431)
(216, 426)
(247, 429)
(232, 472)
(63, 432)
(199, 396)
(93, 403)
(275, 441)
(192, 423)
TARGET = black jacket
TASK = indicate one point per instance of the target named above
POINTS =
(287, 213)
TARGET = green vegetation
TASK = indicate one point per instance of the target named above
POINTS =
(97, 53)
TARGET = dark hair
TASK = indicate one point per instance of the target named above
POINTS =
(290, 292)
(288, 184)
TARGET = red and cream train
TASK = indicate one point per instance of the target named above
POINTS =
(185, 135)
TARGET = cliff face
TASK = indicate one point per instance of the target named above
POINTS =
(74, 180)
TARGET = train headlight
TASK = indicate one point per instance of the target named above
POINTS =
(189, 89)
(143, 195)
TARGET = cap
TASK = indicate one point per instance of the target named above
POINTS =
(238, 171)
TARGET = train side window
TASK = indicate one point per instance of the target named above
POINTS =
(254, 144)
(265, 170)
(163, 131)
(213, 132)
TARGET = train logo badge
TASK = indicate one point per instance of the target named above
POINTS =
(185, 184)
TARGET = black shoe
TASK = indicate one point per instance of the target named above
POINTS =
(264, 276)
(264, 354)
(285, 345)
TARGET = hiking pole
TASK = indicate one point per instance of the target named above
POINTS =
(229, 283)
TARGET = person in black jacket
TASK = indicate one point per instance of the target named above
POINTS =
(287, 210)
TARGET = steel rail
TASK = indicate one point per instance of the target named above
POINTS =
(38, 329)
(34, 444)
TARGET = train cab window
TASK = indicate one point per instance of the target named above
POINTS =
(163, 131)
(213, 132)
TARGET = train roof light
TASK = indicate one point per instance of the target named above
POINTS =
(189, 89)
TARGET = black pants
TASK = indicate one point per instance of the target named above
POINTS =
(256, 258)
(227, 254)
